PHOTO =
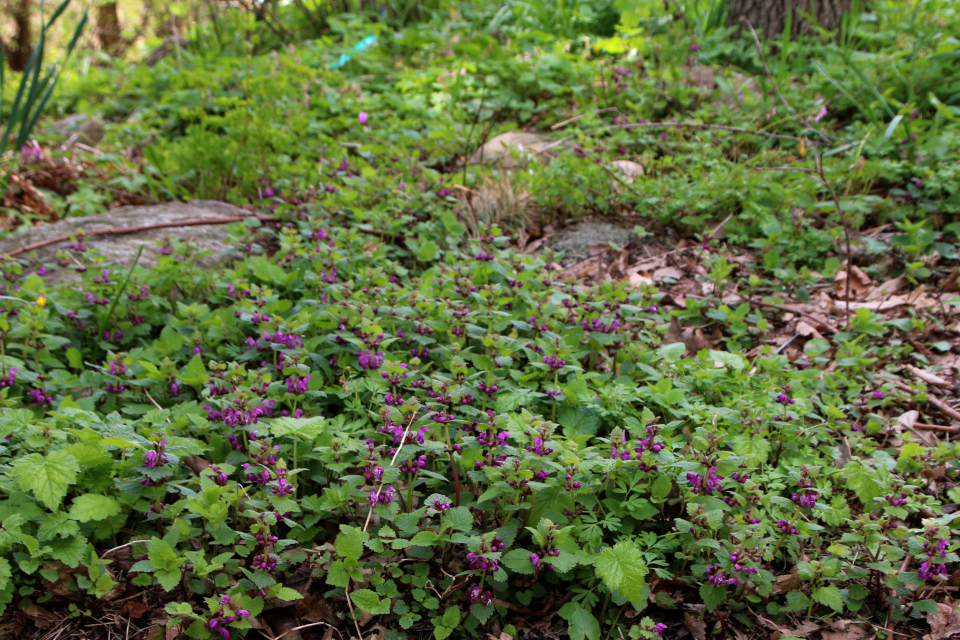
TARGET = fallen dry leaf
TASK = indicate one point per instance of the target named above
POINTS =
(787, 582)
(807, 331)
(906, 422)
(845, 630)
(696, 627)
(887, 288)
(926, 376)
(860, 284)
(667, 272)
(803, 630)
(944, 623)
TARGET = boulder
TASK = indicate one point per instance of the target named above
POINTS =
(628, 169)
(79, 127)
(525, 146)
(120, 250)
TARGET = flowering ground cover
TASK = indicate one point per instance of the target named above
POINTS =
(396, 415)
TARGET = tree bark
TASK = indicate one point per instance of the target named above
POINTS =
(108, 29)
(18, 50)
(770, 16)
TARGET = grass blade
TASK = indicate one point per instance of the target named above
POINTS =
(120, 291)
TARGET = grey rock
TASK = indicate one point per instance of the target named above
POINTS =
(526, 146)
(80, 127)
(120, 250)
(575, 242)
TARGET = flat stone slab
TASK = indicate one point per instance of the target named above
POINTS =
(120, 250)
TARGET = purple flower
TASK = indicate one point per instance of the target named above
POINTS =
(362, 117)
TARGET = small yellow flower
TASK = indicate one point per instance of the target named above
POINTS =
(41, 301)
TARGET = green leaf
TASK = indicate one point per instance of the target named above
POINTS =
(370, 602)
(48, 477)
(441, 632)
(458, 519)
(621, 567)
(579, 420)
(672, 352)
(303, 428)
(518, 560)
(349, 543)
(661, 486)
(830, 596)
(451, 617)
(287, 594)
(168, 578)
(732, 360)
(92, 506)
(5, 573)
(583, 624)
(194, 374)
(755, 448)
(712, 596)
(162, 555)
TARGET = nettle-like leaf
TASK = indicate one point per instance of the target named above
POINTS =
(349, 544)
(830, 596)
(91, 506)
(621, 567)
(583, 625)
(370, 602)
(302, 428)
(48, 477)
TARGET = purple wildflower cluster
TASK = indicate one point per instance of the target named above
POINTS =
(477, 560)
(227, 614)
(936, 551)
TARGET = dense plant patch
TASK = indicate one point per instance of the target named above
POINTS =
(444, 441)
(395, 414)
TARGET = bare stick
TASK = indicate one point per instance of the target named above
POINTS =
(697, 125)
(787, 309)
(304, 626)
(776, 87)
(846, 233)
(396, 453)
(116, 231)
(583, 115)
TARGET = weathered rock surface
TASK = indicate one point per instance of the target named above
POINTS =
(575, 242)
(526, 146)
(120, 250)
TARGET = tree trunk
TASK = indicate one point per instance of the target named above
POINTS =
(770, 16)
(18, 50)
(108, 29)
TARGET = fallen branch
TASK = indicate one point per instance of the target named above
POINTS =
(788, 310)
(696, 125)
(116, 231)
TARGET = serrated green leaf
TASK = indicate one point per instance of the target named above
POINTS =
(518, 560)
(712, 595)
(621, 567)
(92, 506)
(349, 543)
(457, 519)
(370, 602)
(830, 596)
(451, 617)
(582, 624)
(48, 477)
(302, 428)
(287, 594)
